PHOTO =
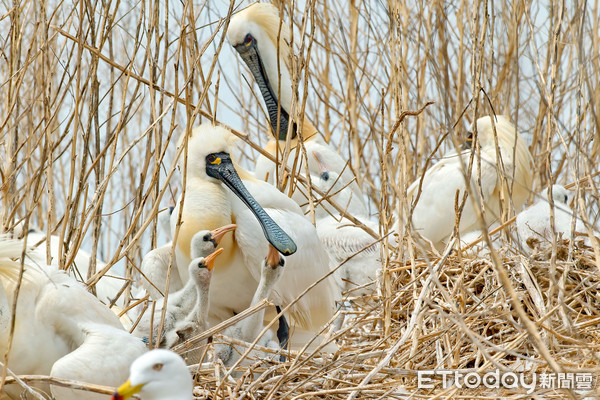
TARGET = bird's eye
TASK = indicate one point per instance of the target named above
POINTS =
(157, 366)
(213, 159)
(206, 237)
(325, 176)
(248, 39)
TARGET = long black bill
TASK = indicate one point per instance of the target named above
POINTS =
(219, 166)
(249, 53)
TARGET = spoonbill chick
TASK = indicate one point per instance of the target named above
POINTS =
(155, 264)
(508, 177)
(158, 375)
(249, 328)
(182, 302)
(533, 223)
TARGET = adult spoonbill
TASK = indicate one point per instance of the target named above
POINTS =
(60, 329)
(158, 375)
(341, 238)
(533, 223)
(253, 33)
(107, 288)
(218, 193)
(507, 177)
(249, 328)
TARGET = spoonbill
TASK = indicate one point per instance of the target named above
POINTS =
(183, 302)
(249, 328)
(217, 193)
(433, 215)
(60, 328)
(341, 238)
(158, 375)
(155, 263)
(106, 288)
(533, 223)
(253, 33)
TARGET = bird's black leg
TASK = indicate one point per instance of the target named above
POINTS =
(283, 333)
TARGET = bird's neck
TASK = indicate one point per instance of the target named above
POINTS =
(202, 304)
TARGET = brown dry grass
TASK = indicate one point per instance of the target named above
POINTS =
(95, 94)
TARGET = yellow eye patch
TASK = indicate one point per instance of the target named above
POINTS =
(216, 161)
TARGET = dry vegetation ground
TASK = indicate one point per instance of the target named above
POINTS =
(94, 95)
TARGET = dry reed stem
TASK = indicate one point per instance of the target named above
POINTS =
(95, 94)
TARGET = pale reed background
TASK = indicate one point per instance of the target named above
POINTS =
(94, 94)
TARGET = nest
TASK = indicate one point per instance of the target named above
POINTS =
(448, 312)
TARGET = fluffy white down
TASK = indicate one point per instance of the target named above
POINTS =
(534, 222)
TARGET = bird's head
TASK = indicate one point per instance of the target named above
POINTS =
(201, 268)
(262, 41)
(501, 125)
(157, 374)
(559, 194)
(207, 144)
(209, 159)
(205, 242)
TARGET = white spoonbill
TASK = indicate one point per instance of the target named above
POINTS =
(158, 375)
(61, 329)
(253, 32)
(215, 196)
(533, 223)
(343, 239)
(249, 328)
(433, 215)
(107, 288)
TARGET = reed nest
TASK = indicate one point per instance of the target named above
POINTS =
(451, 312)
(94, 95)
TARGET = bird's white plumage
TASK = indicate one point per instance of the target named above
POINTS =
(433, 216)
(343, 239)
(155, 267)
(249, 328)
(106, 288)
(534, 222)
(163, 375)
(61, 329)
(185, 305)
(209, 204)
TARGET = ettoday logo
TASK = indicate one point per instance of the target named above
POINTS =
(497, 379)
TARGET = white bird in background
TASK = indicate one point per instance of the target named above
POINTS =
(343, 239)
(433, 216)
(533, 223)
(215, 196)
(155, 264)
(158, 375)
(61, 329)
(107, 288)
(249, 328)
(253, 32)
